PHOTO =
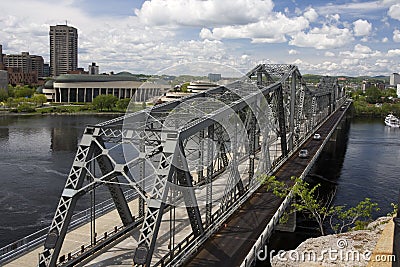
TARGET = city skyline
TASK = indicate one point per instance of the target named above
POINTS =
(346, 38)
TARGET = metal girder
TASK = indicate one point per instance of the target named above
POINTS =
(59, 226)
(281, 120)
(268, 110)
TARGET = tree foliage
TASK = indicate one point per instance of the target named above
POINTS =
(102, 102)
(22, 91)
(373, 95)
(306, 197)
(353, 216)
(123, 104)
(39, 99)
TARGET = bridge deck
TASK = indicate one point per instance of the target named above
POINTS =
(230, 245)
(75, 238)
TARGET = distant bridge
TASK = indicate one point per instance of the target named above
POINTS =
(193, 166)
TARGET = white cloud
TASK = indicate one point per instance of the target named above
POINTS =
(271, 30)
(394, 12)
(360, 52)
(385, 40)
(350, 61)
(293, 52)
(326, 37)
(396, 36)
(362, 27)
(388, 2)
(353, 8)
(203, 12)
(311, 15)
(393, 52)
(329, 54)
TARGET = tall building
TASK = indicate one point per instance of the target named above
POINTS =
(1, 54)
(63, 49)
(46, 70)
(93, 69)
(394, 79)
(22, 61)
(38, 65)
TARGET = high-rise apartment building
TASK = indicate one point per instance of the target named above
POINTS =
(25, 62)
(394, 79)
(63, 49)
(22, 61)
(23, 68)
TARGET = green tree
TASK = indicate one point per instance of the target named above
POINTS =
(340, 217)
(391, 92)
(23, 91)
(123, 104)
(373, 95)
(102, 102)
(39, 99)
(357, 216)
(3, 95)
(184, 87)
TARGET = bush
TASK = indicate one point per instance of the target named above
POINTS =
(25, 107)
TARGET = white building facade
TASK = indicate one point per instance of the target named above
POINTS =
(84, 88)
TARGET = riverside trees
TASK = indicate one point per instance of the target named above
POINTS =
(338, 218)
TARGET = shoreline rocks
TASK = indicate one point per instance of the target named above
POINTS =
(350, 249)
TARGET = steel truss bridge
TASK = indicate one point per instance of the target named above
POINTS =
(201, 155)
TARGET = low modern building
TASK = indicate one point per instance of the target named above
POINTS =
(16, 76)
(84, 88)
(172, 96)
(214, 77)
(200, 86)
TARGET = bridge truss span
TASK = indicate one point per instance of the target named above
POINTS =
(192, 161)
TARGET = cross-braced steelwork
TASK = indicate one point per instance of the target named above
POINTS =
(200, 154)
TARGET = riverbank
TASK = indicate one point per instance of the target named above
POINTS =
(354, 248)
(67, 110)
(364, 109)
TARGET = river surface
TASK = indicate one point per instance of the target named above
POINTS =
(36, 153)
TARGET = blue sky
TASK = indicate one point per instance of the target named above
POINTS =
(334, 38)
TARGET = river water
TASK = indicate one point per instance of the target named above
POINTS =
(36, 153)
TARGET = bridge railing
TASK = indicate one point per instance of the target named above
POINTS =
(28, 243)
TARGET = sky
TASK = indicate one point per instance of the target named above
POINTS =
(343, 37)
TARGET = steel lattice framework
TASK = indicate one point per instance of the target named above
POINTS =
(173, 154)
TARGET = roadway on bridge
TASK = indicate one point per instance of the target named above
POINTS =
(230, 245)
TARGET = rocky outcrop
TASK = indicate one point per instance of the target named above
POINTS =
(352, 248)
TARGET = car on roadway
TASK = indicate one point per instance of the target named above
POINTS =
(317, 136)
(303, 153)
